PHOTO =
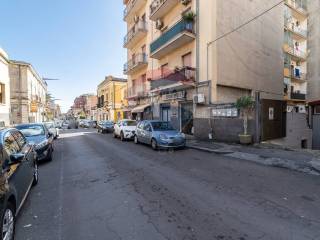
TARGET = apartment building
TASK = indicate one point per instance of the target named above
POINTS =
(28, 93)
(4, 89)
(178, 72)
(111, 94)
(161, 67)
(295, 54)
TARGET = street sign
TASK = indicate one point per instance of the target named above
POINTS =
(34, 107)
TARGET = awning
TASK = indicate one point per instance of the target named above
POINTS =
(175, 86)
(140, 109)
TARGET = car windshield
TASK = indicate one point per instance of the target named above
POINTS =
(107, 123)
(161, 126)
(31, 130)
(130, 123)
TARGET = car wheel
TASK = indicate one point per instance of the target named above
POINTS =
(35, 174)
(121, 136)
(114, 135)
(154, 144)
(8, 221)
(136, 140)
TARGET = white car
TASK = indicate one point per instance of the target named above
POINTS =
(125, 129)
(52, 129)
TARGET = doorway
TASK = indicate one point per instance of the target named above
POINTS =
(187, 118)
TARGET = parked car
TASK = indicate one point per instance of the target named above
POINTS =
(38, 134)
(53, 129)
(94, 124)
(73, 124)
(125, 129)
(159, 134)
(105, 127)
(19, 171)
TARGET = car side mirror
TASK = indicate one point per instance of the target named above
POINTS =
(16, 158)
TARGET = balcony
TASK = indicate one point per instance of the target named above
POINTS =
(132, 7)
(299, 34)
(300, 77)
(135, 34)
(296, 54)
(177, 36)
(136, 63)
(299, 6)
(136, 92)
(298, 96)
(182, 75)
(158, 8)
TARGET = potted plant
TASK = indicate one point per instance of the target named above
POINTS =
(189, 18)
(245, 105)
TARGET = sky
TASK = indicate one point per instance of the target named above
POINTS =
(77, 41)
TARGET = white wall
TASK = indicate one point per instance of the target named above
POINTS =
(4, 79)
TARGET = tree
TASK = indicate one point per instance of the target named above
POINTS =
(245, 104)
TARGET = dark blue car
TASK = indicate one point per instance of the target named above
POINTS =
(38, 134)
(159, 134)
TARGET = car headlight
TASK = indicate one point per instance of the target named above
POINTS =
(42, 144)
(163, 137)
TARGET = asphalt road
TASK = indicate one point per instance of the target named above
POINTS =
(100, 188)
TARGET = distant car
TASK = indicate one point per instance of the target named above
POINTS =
(159, 134)
(53, 129)
(38, 134)
(125, 129)
(94, 124)
(73, 124)
(105, 127)
(19, 171)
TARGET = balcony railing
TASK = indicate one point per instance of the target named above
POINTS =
(136, 62)
(139, 27)
(295, 29)
(298, 76)
(160, 7)
(137, 91)
(132, 5)
(297, 53)
(179, 28)
(298, 96)
(299, 5)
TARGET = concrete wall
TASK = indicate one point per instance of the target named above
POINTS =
(313, 77)
(297, 130)
(4, 79)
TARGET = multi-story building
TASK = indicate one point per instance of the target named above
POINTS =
(4, 89)
(111, 99)
(295, 53)
(180, 64)
(28, 93)
(91, 106)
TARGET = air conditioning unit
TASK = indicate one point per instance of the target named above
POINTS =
(199, 98)
(159, 24)
(185, 2)
(302, 109)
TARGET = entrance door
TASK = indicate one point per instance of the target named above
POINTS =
(166, 114)
(187, 118)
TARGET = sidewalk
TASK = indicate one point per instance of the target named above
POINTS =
(306, 161)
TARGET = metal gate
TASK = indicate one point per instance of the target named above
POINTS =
(316, 132)
(273, 119)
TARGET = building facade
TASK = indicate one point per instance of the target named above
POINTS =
(111, 99)
(180, 67)
(4, 89)
(28, 93)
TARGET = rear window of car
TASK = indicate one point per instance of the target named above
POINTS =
(129, 123)
(161, 126)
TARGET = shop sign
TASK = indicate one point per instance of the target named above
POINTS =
(225, 110)
(132, 103)
(173, 96)
(34, 107)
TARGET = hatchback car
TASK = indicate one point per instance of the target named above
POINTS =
(159, 134)
(125, 129)
(38, 134)
(19, 173)
(105, 127)
(53, 129)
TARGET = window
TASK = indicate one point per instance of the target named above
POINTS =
(2, 94)
(164, 70)
(147, 127)
(10, 144)
(317, 109)
(187, 60)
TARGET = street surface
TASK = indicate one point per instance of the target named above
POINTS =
(100, 188)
